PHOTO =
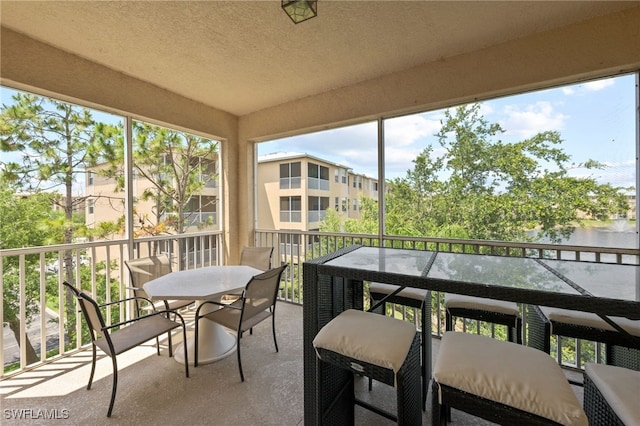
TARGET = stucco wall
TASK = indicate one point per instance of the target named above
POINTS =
(32, 65)
(600, 47)
(596, 48)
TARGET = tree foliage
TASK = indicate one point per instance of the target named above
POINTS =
(51, 141)
(482, 188)
(175, 167)
(23, 224)
(48, 144)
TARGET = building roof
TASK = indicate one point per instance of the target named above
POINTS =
(279, 156)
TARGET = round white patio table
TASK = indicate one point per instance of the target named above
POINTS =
(200, 284)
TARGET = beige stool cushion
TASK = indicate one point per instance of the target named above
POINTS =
(408, 292)
(481, 304)
(588, 319)
(368, 337)
(620, 387)
(508, 373)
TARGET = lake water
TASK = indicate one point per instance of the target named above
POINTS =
(619, 235)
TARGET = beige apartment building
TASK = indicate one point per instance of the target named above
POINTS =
(105, 204)
(295, 190)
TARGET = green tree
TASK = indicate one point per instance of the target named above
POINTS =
(23, 224)
(51, 142)
(175, 165)
(484, 189)
(47, 144)
(335, 222)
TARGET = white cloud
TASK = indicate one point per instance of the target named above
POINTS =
(590, 86)
(486, 109)
(620, 174)
(357, 146)
(594, 86)
(398, 161)
(624, 180)
(404, 131)
(620, 164)
(534, 118)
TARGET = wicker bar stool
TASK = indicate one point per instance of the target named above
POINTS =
(543, 321)
(502, 382)
(415, 298)
(377, 346)
(611, 395)
(487, 310)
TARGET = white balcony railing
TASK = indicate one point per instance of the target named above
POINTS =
(31, 279)
(295, 247)
(31, 288)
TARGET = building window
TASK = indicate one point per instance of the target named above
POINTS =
(318, 177)
(90, 178)
(290, 175)
(201, 211)
(344, 176)
(209, 173)
(345, 204)
(317, 208)
(337, 204)
(290, 209)
(336, 175)
(90, 205)
(355, 204)
(290, 244)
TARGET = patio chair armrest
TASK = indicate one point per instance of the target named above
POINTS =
(162, 312)
(207, 302)
(116, 302)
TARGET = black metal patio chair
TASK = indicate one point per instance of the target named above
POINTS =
(117, 338)
(256, 303)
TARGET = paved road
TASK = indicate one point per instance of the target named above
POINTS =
(11, 349)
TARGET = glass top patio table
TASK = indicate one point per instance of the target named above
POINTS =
(605, 289)
(334, 283)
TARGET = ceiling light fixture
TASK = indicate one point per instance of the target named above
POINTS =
(300, 10)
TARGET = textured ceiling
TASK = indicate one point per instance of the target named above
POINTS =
(241, 56)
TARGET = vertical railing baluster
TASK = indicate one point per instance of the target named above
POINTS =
(43, 308)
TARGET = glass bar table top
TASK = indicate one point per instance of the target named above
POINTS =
(479, 269)
(398, 261)
(610, 289)
(513, 272)
(604, 280)
(601, 279)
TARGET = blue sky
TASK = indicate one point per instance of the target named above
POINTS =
(596, 120)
